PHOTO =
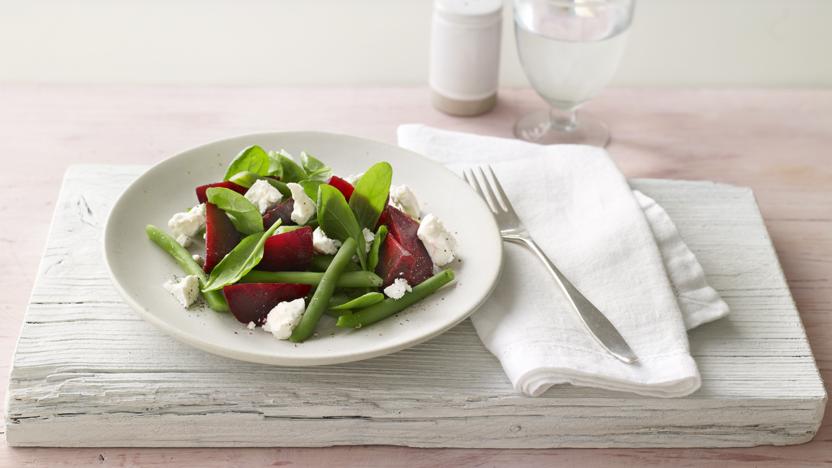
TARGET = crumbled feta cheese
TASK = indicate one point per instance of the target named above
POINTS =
(440, 244)
(185, 225)
(263, 195)
(185, 290)
(404, 199)
(369, 236)
(251, 325)
(183, 240)
(284, 318)
(304, 207)
(323, 244)
(199, 260)
(353, 178)
(397, 289)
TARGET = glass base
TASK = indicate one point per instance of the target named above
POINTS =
(544, 128)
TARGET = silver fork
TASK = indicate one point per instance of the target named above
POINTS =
(513, 230)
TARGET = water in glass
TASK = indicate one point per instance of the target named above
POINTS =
(569, 50)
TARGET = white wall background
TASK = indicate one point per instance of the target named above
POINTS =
(674, 42)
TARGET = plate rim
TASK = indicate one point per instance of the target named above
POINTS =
(194, 340)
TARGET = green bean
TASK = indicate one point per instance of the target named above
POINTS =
(214, 299)
(340, 304)
(337, 313)
(362, 301)
(352, 279)
(338, 299)
(388, 307)
(320, 298)
(372, 257)
(320, 262)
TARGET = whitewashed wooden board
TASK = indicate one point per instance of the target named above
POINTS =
(90, 372)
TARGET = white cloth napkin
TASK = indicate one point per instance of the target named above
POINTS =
(617, 246)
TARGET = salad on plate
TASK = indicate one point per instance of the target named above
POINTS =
(281, 242)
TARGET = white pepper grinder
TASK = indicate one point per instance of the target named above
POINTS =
(465, 55)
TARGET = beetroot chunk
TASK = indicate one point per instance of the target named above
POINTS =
(290, 251)
(342, 185)
(281, 211)
(403, 229)
(220, 236)
(251, 302)
(202, 197)
(394, 261)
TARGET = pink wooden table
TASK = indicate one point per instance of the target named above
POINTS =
(776, 142)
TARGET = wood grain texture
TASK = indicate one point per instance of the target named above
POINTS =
(776, 142)
(90, 372)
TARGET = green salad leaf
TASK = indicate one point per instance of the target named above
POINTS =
(311, 187)
(315, 169)
(370, 195)
(244, 215)
(280, 186)
(245, 178)
(275, 166)
(242, 259)
(285, 229)
(248, 178)
(372, 257)
(290, 171)
(252, 159)
(338, 221)
(364, 300)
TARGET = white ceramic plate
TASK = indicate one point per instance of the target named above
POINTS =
(138, 268)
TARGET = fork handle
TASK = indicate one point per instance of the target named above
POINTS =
(598, 325)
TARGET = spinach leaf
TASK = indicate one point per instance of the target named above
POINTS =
(244, 215)
(244, 178)
(315, 169)
(247, 179)
(290, 171)
(280, 186)
(311, 187)
(370, 195)
(337, 220)
(242, 259)
(275, 167)
(253, 159)
(372, 257)
(285, 229)
(361, 301)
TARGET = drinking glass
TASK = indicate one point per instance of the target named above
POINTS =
(569, 50)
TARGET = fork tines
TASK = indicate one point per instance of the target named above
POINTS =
(487, 186)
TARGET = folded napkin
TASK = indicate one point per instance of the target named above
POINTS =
(618, 247)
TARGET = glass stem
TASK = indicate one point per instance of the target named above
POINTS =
(565, 120)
